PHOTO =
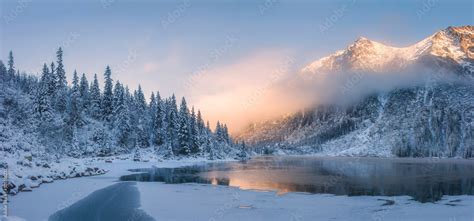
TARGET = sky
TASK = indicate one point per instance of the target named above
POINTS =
(223, 55)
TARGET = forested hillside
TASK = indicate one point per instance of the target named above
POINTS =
(45, 116)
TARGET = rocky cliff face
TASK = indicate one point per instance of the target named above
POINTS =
(434, 118)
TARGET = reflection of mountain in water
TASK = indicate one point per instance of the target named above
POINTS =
(424, 180)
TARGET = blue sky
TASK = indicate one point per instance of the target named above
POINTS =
(173, 46)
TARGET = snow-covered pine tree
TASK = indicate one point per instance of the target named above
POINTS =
(151, 117)
(225, 134)
(11, 67)
(84, 91)
(201, 130)
(242, 155)
(121, 117)
(73, 117)
(183, 129)
(193, 133)
(142, 131)
(43, 108)
(95, 99)
(208, 148)
(172, 123)
(160, 125)
(132, 107)
(3, 72)
(73, 109)
(54, 79)
(107, 98)
(118, 97)
(208, 128)
(200, 122)
(61, 83)
(218, 132)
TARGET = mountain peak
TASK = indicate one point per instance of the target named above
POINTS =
(361, 39)
(453, 44)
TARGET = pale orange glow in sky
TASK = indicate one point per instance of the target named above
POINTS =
(246, 90)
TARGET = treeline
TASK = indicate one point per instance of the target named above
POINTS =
(83, 119)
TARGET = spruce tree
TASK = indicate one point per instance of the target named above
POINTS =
(200, 123)
(159, 127)
(151, 117)
(183, 129)
(11, 67)
(225, 134)
(143, 131)
(53, 79)
(242, 155)
(117, 99)
(84, 91)
(42, 107)
(172, 124)
(3, 72)
(107, 98)
(61, 83)
(208, 127)
(140, 99)
(193, 130)
(218, 132)
(73, 108)
(121, 117)
(95, 99)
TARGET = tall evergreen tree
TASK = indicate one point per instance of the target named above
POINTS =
(183, 129)
(107, 98)
(140, 99)
(3, 72)
(200, 123)
(43, 108)
(242, 155)
(84, 91)
(121, 117)
(208, 127)
(143, 131)
(159, 127)
(218, 132)
(61, 84)
(54, 78)
(151, 116)
(73, 107)
(95, 99)
(11, 67)
(225, 134)
(193, 130)
(118, 97)
(172, 124)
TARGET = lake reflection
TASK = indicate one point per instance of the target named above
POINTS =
(426, 180)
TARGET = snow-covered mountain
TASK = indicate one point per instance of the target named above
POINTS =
(433, 118)
(453, 46)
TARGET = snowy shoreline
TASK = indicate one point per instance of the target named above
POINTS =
(207, 202)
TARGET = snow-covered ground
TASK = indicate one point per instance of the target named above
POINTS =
(207, 202)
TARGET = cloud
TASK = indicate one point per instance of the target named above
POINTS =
(267, 84)
(243, 91)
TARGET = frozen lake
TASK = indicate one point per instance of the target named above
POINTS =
(426, 180)
(199, 190)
